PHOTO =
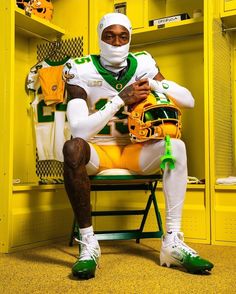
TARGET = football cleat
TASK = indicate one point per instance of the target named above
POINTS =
(85, 266)
(175, 252)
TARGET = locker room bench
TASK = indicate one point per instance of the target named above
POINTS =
(126, 182)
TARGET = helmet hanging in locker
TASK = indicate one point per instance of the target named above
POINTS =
(41, 8)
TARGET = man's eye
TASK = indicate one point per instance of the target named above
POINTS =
(108, 37)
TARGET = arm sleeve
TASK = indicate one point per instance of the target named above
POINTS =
(181, 96)
(147, 65)
(86, 126)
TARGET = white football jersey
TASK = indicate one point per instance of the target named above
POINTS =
(51, 127)
(101, 86)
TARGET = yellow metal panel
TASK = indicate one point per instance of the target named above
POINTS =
(229, 5)
(195, 212)
(96, 10)
(221, 117)
(46, 223)
(183, 6)
(35, 25)
(196, 215)
(222, 107)
(40, 214)
(225, 217)
(228, 12)
(6, 117)
(156, 9)
(233, 89)
(137, 13)
(24, 147)
(73, 16)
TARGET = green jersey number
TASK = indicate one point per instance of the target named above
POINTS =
(46, 113)
(82, 60)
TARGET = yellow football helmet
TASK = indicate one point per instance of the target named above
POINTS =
(22, 3)
(154, 118)
(41, 8)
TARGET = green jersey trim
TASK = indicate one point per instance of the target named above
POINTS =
(108, 77)
(59, 62)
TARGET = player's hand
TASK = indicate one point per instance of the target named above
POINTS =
(135, 92)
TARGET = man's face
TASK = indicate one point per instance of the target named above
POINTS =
(115, 35)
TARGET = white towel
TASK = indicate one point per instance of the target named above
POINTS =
(226, 181)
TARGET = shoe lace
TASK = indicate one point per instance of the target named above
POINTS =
(88, 251)
(184, 246)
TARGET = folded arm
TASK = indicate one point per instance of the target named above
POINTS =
(85, 125)
(181, 96)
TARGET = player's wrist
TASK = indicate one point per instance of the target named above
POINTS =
(118, 101)
(159, 86)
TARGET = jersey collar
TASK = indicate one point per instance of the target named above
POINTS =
(108, 77)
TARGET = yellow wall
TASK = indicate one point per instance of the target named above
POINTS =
(24, 147)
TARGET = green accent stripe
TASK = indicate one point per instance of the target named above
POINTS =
(108, 77)
(59, 62)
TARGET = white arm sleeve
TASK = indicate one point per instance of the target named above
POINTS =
(86, 126)
(181, 96)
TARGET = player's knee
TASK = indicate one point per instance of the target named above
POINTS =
(76, 152)
(178, 145)
(179, 149)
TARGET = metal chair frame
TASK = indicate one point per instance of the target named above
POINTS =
(126, 183)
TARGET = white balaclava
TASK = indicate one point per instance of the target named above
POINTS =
(115, 56)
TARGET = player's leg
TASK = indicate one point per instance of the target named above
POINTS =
(174, 181)
(77, 155)
(148, 158)
(174, 250)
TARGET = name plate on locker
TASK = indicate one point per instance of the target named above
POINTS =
(160, 22)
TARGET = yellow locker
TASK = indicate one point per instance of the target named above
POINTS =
(190, 52)
(30, 214)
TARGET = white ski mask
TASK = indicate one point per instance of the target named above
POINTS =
(114, 55)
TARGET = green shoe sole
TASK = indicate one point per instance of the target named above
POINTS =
(198, 266)
(84, 269)
(84, 275)
(200, 270)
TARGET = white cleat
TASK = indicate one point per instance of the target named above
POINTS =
(175, 252)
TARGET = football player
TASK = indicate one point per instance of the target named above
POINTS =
(101, 87)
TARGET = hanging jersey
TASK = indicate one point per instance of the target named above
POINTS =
(101, 86)
(51, 127)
